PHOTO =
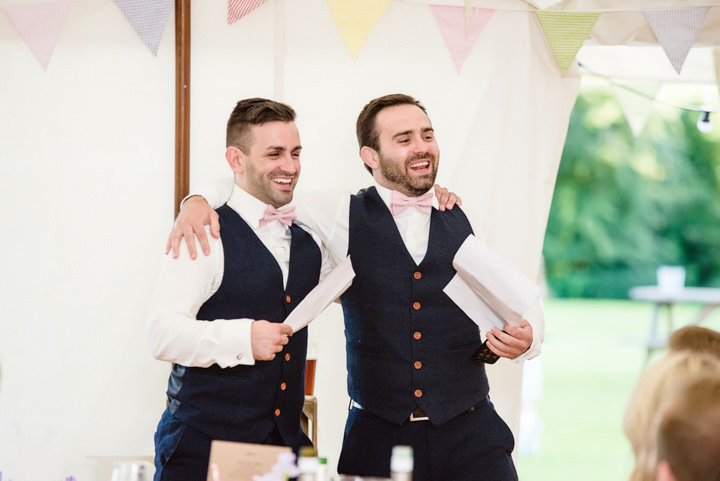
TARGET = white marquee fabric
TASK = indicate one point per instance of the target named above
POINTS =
(87, 176)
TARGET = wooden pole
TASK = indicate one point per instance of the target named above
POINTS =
(182, 101)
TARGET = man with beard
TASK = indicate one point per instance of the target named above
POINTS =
(237, 375)
(412, 378)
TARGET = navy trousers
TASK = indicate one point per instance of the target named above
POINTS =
(182, 453)
(475, 446)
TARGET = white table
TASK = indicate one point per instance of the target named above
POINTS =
(708, 297)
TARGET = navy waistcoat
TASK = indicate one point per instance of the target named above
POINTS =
(408, 344)
(244, 403)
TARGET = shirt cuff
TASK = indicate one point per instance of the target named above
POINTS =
(236, 344)
(536, 318)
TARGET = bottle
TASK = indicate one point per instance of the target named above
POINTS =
(322, 472)
(401, 463)
(308, 464)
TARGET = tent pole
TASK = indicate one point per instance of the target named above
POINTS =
(182, 101)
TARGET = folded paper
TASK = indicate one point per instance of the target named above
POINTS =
(487, 288)
(322, 295)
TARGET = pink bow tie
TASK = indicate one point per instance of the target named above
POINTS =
(399, 202)
(286, 216)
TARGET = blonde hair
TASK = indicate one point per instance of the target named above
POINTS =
(659, 381)
(688, 431)
(695, 338)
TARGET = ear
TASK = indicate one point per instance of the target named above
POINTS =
(370, 157)
(664, 473)
(235, 159)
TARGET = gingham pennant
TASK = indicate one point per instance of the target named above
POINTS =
(566, 32)
(676, 29)
(237, 9)
(356, 19)
(148, 18)
(39, 25)
(460, 37)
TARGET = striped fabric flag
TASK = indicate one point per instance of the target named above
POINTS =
(39, 26)
(237, 9)
(452, 23)
(676, 29)
(147, 18)
(356, 19)
(566, 32)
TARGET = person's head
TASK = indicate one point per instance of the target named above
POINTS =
(263, 149)
(688, 433)
(397, 143)
(695, 338)
(657, 383)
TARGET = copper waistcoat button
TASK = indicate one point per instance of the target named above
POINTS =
(416, 306)
(418, 393)
(277, 412)
(283, 386)
(417, 364)
(417, 275)
(287, 356)
(287, 298)
(417, 335)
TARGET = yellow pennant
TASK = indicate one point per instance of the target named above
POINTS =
(356, 19)
(566, 32)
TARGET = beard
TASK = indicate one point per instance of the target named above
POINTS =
(398, 173)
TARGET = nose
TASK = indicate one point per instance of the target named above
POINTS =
(289, 164)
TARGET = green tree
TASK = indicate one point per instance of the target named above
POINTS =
(622, 206)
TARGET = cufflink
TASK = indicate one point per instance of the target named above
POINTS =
(239, 356)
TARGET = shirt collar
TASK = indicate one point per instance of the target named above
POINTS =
(250, 208)
(384, 194)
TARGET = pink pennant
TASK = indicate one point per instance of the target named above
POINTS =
(452, 21)
(39, 25)
(237, 9)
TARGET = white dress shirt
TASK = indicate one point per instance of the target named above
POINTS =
(173, 330)
(327, 214)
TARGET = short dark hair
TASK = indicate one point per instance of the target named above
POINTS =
(367, 134)
(255, 111)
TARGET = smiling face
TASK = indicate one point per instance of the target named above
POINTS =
(270, 169)
(408, 155)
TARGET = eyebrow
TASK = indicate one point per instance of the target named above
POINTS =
(271, 148)
(408, 132)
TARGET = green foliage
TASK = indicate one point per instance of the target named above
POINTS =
(623, 206)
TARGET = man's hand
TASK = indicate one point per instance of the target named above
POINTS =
(512, 342)
(268, 338)
(446, 199)
(195, 214)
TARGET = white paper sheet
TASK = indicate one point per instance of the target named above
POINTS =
(322, 295)
(487, 288)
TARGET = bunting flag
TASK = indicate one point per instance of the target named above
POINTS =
(147, 18)
(356, 18)
(237, 9)
(39, 25)
(460, 41)
(566, 32)
(676, 29)
(636, 102)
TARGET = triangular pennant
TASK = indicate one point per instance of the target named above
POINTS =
(636, 102)
(39, 25)
(356, 18)
(237, 9)
(566, 32)
(147, 18)
(716, 62)
(450, 20)
(676, 30)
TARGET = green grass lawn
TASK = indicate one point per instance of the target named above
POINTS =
(592, 356)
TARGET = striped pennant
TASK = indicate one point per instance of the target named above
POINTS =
(460, 36)
(566, 32)
(356, 19)
(147, 18)
(676, 29)
(39, 26)
(237, 9)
